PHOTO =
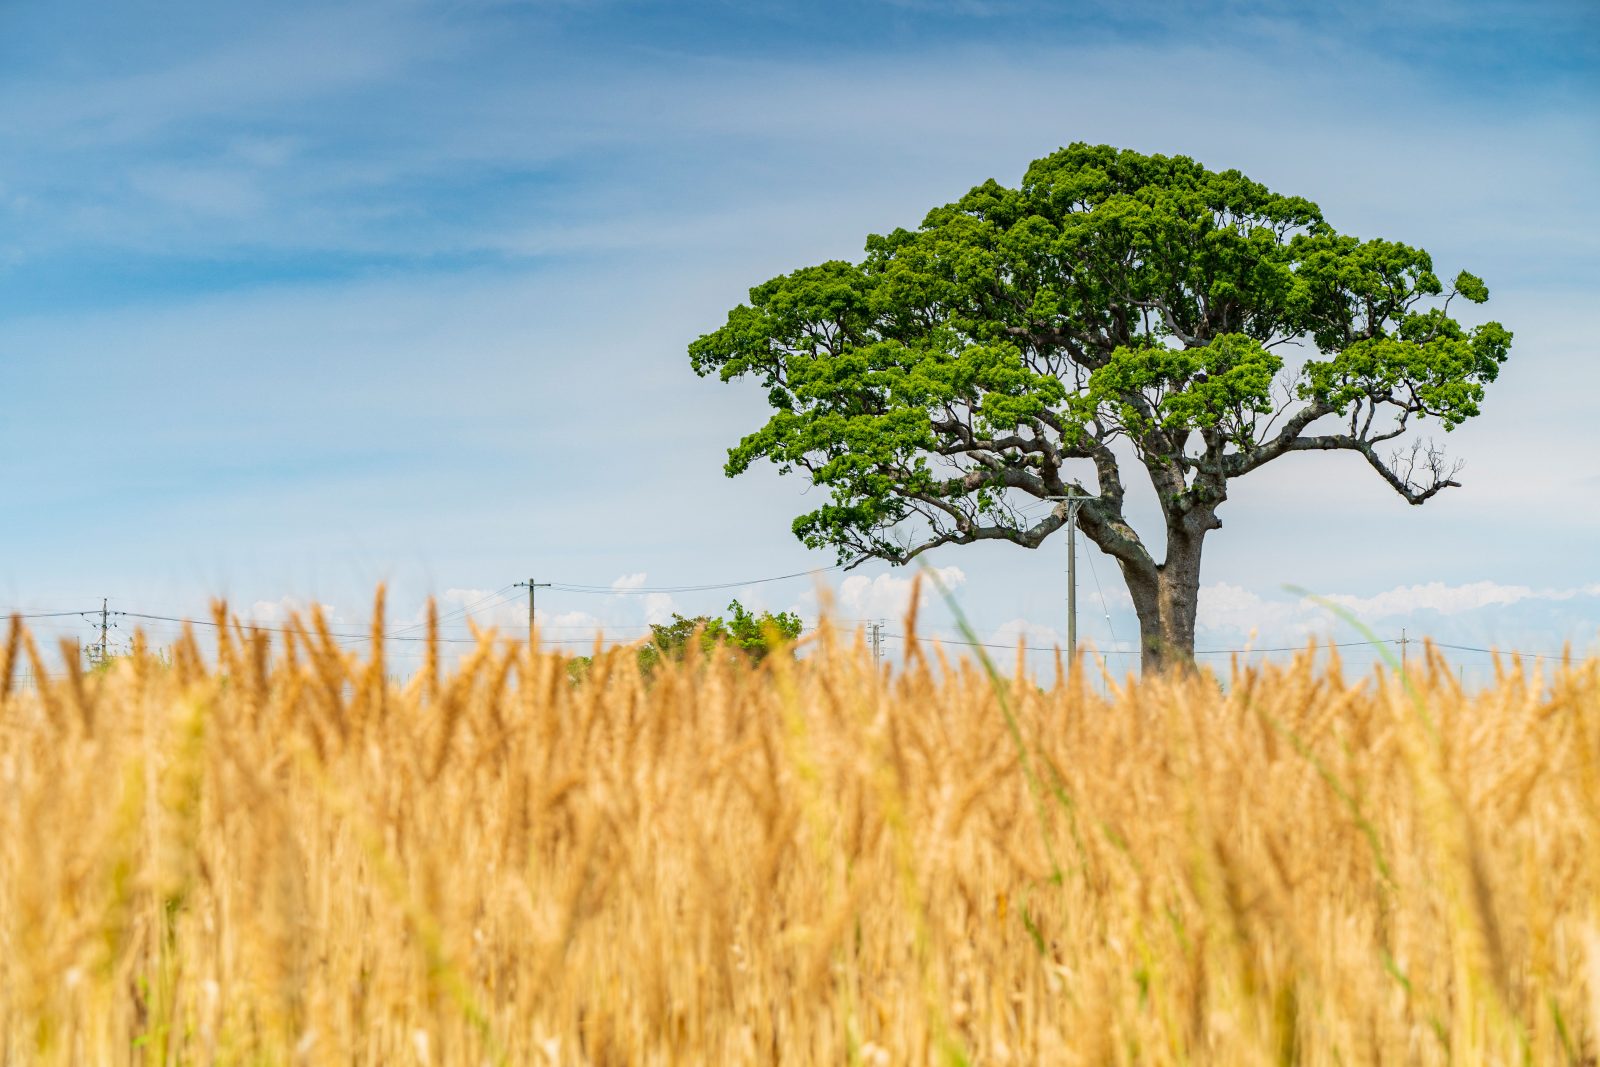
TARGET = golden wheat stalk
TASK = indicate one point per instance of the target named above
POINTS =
(275, 853)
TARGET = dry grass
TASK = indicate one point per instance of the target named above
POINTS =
(285, 859)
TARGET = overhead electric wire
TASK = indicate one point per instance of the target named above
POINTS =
(249, 624)
(262, 628)
(1135, 652)
(1104, 606)
(50, 614)
(943, 640)
(640, 590)
(601, 631)
(465, 609)
(1495, 651)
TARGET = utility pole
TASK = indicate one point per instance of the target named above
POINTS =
(1072, 587)
(1403, 644)
(1073, 502)
(105, 622)
(531, 587)
(877, 641)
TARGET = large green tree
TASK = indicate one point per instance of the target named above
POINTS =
(1116, 313)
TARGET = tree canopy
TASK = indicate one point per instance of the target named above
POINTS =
(746, 634)
(1116, 311)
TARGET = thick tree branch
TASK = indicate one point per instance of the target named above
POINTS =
(1244, 462)
(1400, 470)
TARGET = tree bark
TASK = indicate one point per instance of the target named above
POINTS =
(1166, 599)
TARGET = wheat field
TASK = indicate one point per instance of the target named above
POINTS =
(257, 849)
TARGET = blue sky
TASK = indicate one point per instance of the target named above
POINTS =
(297, 298)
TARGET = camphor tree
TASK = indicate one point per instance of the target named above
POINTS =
(1117, 312)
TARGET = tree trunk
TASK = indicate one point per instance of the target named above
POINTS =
(1166, 600)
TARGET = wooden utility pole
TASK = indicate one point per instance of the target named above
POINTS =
(1072, 585)
(532, 586)
(1073, 502)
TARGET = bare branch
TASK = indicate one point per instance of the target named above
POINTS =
(1403, 469)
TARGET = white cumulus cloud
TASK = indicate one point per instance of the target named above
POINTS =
(658, 607)
(1233, 608)
(1031, 633)
(889, 595)
(504, 611)
(576, 629)
(1444, 599)
(279, 610)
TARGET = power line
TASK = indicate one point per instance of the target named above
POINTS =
(1136, 652)
(463, 610)
(1495, 651)
(640, 590)
(51, 614)
(249, 624)
(101, 619)
(1104, 605)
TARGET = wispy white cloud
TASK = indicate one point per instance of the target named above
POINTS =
(265, 152)
(402, 132)
(371, 137)
(982, 9)
(287, 55)
(206, 191)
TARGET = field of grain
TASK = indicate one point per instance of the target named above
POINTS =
(257, 850)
